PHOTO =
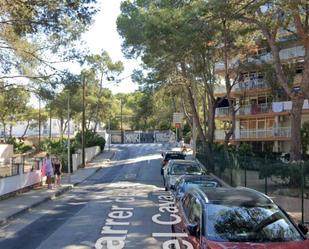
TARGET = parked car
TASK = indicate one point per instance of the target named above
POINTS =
(190, 181)
(177, 168)
(170, 155)
(242, 218)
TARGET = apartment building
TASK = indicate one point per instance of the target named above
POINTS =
(262, 112)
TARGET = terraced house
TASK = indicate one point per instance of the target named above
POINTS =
(262, 109)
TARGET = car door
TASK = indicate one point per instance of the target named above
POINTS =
(194, 218)
(166, 171)
(190, 214)
(183, 207)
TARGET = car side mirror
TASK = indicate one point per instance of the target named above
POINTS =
(303, 228)
(192, 228)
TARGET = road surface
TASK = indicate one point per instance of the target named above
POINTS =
(123, 205)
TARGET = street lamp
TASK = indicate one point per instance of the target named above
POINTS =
(69, 142)
(121, 127)
(83, 124)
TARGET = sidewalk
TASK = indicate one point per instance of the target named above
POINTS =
(14, 206)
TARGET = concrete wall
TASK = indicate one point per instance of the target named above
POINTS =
(15, 183)
(90, 153)
(6, 152)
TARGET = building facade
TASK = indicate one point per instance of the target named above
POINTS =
(262, 112)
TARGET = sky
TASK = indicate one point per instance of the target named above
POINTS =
(103, 35)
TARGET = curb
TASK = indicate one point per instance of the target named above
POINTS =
(27, 209)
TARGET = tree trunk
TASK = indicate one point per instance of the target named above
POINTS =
(50, 123)
(211, 121)
(26, 129)
(11, 128)
(296, 113)
(61, 128)
(4, 131)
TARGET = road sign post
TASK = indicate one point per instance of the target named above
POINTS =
(177, 120)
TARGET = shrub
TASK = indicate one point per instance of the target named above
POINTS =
(19, 146)
(91, 139)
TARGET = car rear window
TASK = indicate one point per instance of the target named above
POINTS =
(256, 224)
(186, 169)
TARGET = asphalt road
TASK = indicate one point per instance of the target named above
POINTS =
(118, 207)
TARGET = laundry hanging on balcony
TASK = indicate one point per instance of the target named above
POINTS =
(277, 107)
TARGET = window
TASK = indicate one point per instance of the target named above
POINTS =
(252, 124)
(256, 224)
(261, 124)
(186, 201)
(195, 212)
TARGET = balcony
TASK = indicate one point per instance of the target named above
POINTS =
(285, 54)
(255, 109)
(280, 132)
(250, 84)
(219, 134)
(223, 111)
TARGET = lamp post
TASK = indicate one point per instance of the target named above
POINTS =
(83, 124)
(69, 142)
(121, 127)
(39, 122)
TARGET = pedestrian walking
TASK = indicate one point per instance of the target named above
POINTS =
(57, 170)
(48, 170)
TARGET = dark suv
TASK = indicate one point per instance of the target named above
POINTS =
(171, 155)
(242, 218)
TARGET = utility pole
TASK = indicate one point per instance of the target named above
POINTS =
(121, 104)
(39, 122)
(50, 122)
(83, 124)
(69, 142)
(109, 133)
(194, 125)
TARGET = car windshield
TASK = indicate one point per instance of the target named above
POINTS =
(186, 169)
(255, 224)
(207, 184)
(174, 156)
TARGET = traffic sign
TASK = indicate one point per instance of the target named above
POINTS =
(177, 117)
(178, 125)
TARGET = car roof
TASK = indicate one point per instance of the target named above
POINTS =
(173, 152)
(239, 196)
(178, 161)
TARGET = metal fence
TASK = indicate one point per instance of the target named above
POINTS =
(20, 164)
(286, 183)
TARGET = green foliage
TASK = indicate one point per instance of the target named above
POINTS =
(19, 146)
(91, 139)
(13, 101)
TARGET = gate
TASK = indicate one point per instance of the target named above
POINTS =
(146, 137)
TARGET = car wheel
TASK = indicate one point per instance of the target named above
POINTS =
(166, 189)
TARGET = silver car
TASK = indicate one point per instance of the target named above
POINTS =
(177, 168)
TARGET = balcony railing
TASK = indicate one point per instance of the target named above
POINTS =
(222, 111)
(250, 84)
(255, 109)
(219, 134)
(280, 132)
